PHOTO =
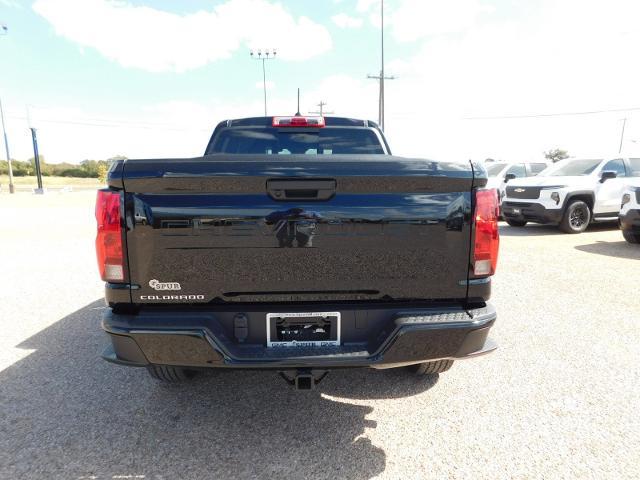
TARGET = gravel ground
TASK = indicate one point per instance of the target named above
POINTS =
(559, 399)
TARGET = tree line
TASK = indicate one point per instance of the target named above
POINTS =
(85, 169)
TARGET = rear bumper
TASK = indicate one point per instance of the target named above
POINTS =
(201, 339)
(531, 212)
(630, 221)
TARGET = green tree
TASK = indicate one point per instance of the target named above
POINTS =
(556, 155)
(102, 173)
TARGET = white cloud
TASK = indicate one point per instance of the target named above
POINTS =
(416, 19)
(411, 20)
(343, 20)
(571, 56)
(157, 41)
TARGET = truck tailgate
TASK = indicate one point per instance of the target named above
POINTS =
(297, 228)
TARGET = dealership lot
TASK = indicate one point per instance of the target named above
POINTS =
(557, 400)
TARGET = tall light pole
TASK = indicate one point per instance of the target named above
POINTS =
(3, 31)
(381, 78)
(624, 124)
(267, 54)
(6, 149)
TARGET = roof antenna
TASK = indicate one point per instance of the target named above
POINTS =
(298, 114)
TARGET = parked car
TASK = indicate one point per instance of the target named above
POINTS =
(297, 244)
(500, 173)
(571, 194)
(629, 218)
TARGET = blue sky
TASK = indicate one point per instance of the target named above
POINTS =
(152, 78)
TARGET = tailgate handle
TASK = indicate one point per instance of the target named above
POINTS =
(314, 190)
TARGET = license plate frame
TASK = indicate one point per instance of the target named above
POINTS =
(271, 343)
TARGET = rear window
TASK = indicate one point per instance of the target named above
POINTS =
(635, 167)
(274, 141)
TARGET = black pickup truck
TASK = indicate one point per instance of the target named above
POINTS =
(298, 244)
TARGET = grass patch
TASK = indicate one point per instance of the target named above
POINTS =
(52, 182)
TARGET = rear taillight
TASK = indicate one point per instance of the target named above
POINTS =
(487, 238)
(109, 239)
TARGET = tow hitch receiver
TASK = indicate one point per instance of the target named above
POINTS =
(304, 378)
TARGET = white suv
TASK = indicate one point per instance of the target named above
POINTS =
(571, 193)
(629, 217)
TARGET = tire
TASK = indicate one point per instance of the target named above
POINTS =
(516, 223)
(429, 368)
(631, 237)
(576, 217)
(168, 374)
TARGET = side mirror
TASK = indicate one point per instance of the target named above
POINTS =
(509, 176)
(606, 175)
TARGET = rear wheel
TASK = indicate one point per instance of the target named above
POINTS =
(631, 237)
(576, 217)
(169, 374)
(516, 223)
(429, 368)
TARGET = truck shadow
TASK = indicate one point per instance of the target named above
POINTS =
(620, 249)
(534, 230)
(528, 230)
(67, 413)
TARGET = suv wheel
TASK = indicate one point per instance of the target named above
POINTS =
(631, 237)
(429, 368)
(576, 217)
(516, 223)
(166, 373)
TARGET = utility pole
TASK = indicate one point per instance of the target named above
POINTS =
(6, 149)
(267, 54)
(321, 111)
(624, 124)
(381, 78)
(36, 155)
(3, 31)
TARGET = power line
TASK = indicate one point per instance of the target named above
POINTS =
(114, 124)
(557, 114)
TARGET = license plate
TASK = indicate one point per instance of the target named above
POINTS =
(516, 210)
(304, 329)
